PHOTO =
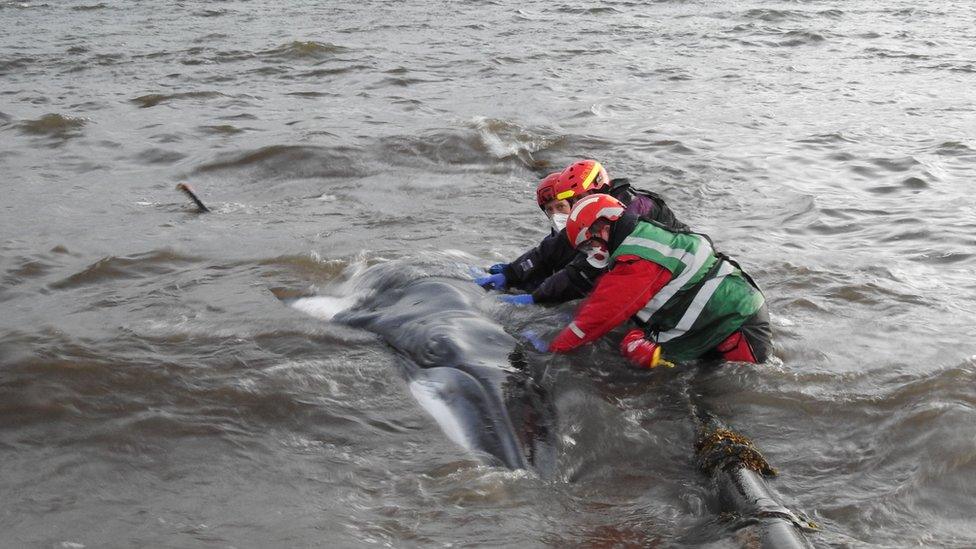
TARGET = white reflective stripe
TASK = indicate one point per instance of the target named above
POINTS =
(697, 304)
(574, 213)
(575, 329)
(664, 249)
(671, 288)
(609, 212)
(582, 236)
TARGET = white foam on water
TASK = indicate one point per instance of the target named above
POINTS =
(323, 306)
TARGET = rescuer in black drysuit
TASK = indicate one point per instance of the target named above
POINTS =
(553, 272)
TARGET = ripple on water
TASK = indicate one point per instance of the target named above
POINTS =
(25, 269)
(293, 161)
(120, 268)
(914, 184)
(333, 71)
(669, 145)
(943, 258)
(153, 99)
(212, 13)
(305, 50)
(222, 129)
(954, 148)
(901, 164)
(110, 400)
(91, 7)
(269, 71)
(887, 53)
(313, 94)
(795, 38)
(587, 11)
(399, 79)
(15, 63)
(209, 38)
(481, 142)
(159, 156)
(963, 67)
(775, 15)
(832, 139)
(54, 125)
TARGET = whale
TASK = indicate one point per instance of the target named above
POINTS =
(459, 365)
(474, 380)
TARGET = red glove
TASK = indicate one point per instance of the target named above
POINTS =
(640, 351)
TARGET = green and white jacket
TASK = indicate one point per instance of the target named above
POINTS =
(706, 300)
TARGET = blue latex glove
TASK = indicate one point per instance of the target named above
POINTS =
(497, 268)
(491, 282)
(518, 299)
(533, 338)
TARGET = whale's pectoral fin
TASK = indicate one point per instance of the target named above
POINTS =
(467, 414)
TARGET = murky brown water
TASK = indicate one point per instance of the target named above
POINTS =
(155, 393)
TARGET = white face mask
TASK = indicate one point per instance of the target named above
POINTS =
(558, 221)
(597, 254)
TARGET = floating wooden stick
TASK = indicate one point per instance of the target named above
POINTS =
(201, 207)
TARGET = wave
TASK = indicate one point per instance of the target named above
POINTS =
(827, 139)
(954, 148)
(481, 142)
(91, 7)
(156, 155)
(212, 13)
(914, 184)
(774, 15)
(53, 125)
(277, 162)
(108, 400)
(113, 268)
(333, 71)
(221, 129)
(586, 11)
(771, 15)
(26, 268)
(795, 38)
(885, 53)
(301, 50)
(153, 99)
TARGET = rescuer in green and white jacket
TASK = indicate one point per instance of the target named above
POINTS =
(690, 301)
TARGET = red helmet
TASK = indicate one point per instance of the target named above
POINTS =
(586, 212)
(546, 191)
(580, 179)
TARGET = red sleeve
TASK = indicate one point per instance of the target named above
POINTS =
(618, 295)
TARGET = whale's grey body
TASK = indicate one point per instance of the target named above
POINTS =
(461, 366)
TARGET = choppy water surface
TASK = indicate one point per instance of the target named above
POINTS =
(154, 392)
